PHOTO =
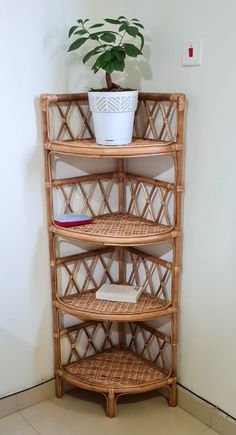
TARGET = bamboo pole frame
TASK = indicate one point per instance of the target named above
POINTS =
(149, 141)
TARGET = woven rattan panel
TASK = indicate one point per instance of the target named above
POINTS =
(87, 302)
(120, 226)
(115, 368)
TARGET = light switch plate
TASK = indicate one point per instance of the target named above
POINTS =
(192, 53)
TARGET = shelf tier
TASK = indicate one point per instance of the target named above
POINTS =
(86, 306)
(137, 148)
(117, 230)
(119, 370)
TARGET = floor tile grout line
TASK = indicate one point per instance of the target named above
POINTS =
(27, 421)
(209, 428)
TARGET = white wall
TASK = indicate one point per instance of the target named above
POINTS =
(32, 62)
(207, 350)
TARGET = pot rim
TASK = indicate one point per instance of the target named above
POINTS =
(107, 94)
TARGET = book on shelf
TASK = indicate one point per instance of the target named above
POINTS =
(119, 293)
(72, 220)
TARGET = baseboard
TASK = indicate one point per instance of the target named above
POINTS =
(206, 412)
(24, 399)
(199, 408)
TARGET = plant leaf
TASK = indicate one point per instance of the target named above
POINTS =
(123, 26)
(111, 21)
(101, 32)
(108, 37)
(131, 30)
(103, 59)
(72, 29)
(142, 40)
(131, 50)
(121, 18)
(109, 67)
(139, 25)
(77, 44)
(91, 53)
(96, 25)
(118, 53)
(108, 56)
(95, 68)
(93, 36)
(80, 32)
(119, 65)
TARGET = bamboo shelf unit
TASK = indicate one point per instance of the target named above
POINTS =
(112, 348)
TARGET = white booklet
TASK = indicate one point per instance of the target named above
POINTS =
(119, 293)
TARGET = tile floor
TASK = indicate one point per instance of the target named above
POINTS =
(81, 413)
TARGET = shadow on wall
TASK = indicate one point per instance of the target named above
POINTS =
(138, 69)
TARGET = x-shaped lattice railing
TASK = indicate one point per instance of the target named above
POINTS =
(151, 110)
(74, 339)
(107, 328)
(103, 189)
(155, 118)
(72, 282)
(164, 278)
(154, 272)
(152, 196)
(100, 264)
(83, 120)
(148, 337)
(81, 347)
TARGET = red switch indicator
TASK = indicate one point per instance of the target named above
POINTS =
(190, 51)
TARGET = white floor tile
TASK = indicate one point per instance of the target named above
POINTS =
(15, 424)
(81, 413)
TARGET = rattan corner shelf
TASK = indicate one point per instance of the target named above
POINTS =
(112, 348)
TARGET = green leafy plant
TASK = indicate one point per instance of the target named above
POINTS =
(112, 47)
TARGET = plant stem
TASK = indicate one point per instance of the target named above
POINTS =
(122, 36)
(108, 81)
(85, 28)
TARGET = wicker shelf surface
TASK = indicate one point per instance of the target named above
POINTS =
(118, 230)
(85, 305)
(137, 148)
(118, 369)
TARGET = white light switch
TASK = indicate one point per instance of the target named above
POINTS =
(192, 53)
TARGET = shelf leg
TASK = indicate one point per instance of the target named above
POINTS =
(111, 404)
(58, 386)
(173, 394)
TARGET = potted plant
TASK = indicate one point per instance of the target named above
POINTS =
(112, 107)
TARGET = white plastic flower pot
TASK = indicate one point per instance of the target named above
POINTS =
(113, 116)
